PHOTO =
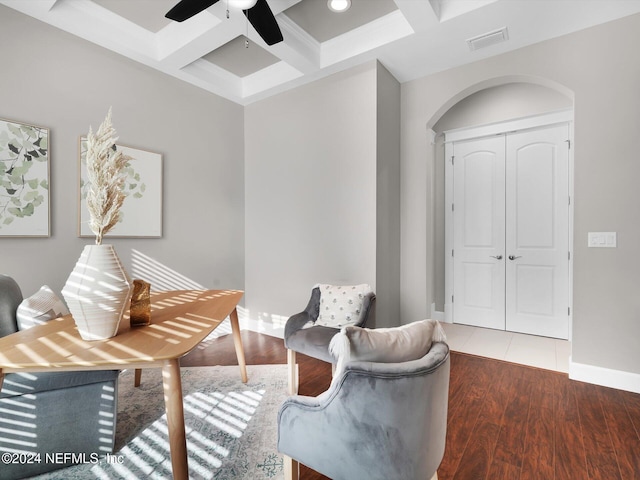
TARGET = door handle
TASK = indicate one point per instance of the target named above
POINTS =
(511, 257)
(497, 257)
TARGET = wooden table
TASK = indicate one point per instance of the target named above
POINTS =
(180, 320)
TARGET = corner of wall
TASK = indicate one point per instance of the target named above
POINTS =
(387, 197)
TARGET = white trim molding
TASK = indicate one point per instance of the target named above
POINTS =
(518, 124)
(605, 377)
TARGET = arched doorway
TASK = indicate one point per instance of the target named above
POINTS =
(484, 104)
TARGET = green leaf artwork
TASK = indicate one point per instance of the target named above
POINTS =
(24, 179)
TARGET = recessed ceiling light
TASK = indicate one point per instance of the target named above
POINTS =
(242, 4)
(339, 5)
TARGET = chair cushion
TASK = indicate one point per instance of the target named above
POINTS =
(385, 345)
(42, 306)
(340, 305)
(313, 342)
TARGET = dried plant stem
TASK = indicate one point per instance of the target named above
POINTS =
(105, 176)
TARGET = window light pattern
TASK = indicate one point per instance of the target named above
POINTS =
(230, 426)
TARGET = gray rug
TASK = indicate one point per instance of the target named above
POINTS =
(231, 427)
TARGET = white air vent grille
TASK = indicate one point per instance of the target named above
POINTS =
(487, 39)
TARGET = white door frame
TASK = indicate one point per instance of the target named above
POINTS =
(519, 124)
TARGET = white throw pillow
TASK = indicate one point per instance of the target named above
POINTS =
(385, 345)
(42, 306)
(341, 305)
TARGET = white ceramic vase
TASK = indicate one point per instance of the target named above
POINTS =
(97, 292)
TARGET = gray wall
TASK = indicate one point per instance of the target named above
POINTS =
(53, 79)
(598, 68)
(388, 199)
(322, 185)
(494, 104)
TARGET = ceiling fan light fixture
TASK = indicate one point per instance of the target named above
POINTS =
(242, 4)
(339, 5)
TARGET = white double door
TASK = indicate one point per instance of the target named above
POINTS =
(511, 231)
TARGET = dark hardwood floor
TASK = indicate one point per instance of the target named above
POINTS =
(506, 421)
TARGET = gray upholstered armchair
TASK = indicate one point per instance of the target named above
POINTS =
(382, 421)
(302, 334)
(47, 413)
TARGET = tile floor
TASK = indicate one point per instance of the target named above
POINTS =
(541, 352)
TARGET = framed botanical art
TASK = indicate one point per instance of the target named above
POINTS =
(24, 180)
(141, 212)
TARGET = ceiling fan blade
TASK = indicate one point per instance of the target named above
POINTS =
(262, 19)
(188, 8)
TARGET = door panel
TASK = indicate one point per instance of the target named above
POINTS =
(534, 290)
(533, 167)
(478, 194)
(478, 284)
(537, 241)
(478, 225)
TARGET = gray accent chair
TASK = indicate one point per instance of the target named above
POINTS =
(383, 421)
(52, 412)
(314, 341)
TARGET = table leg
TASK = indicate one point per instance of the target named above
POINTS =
(1, 379)
(291, 468)
(237, 341)
(292, 373)
(175, 418)
(137, 378)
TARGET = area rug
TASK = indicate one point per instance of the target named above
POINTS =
(231, 427)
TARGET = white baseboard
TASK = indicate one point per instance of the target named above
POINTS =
(267, 328)
(606, 377)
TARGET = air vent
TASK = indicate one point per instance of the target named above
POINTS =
(487, 39)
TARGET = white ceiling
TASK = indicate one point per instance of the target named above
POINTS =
(411, 38)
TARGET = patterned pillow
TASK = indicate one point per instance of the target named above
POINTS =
(42, 306)
(341, 305)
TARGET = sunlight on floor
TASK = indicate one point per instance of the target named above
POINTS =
(148, 454)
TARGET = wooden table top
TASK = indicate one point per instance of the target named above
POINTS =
(180, 320)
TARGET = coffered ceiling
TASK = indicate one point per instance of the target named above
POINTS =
(412, 38)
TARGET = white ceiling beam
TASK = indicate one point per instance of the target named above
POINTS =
(268, 78)
(382, 31)
(299, 49)
(212, 78)
(176, 36)
(420, 15)
(92, 22)
(206, 41)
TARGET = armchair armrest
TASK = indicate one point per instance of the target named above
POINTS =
(368, 317)
(376, 420)
(295, 323)
(310, 313)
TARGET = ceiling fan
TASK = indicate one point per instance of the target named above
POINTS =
(259, 15)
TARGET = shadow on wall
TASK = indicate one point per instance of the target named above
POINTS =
(159, 275)
(163, 278)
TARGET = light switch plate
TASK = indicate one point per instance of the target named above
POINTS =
(602, 239)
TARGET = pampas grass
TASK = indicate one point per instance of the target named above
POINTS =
(105, 176)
